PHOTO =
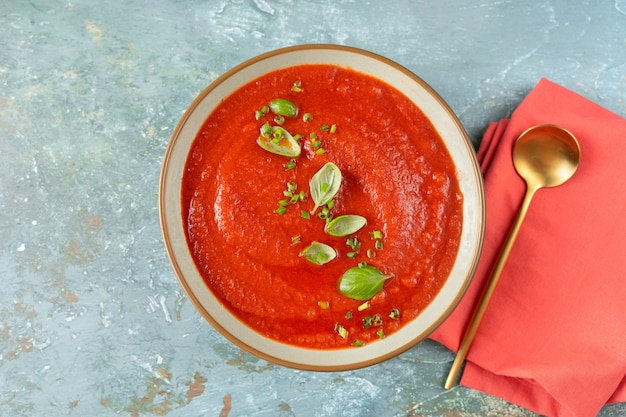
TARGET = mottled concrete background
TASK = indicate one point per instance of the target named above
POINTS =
(92, 319)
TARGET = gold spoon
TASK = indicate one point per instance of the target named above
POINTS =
(544, 156)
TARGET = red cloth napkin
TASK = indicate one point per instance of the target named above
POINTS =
(553, 338)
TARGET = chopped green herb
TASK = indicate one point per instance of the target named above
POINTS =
(348, 315)
(280, 210)
(394, 314)
(277, 136)
(293, 196)
(381, 334)
(333, 128)
(307, 117)
(353, 243)
(325, 214)
(320, 151)
(290, 165)
(258, 114)
(341, 331)
(323, 305)
(296, 86)
(295, 239)
(358, 343)
(305, 214)
(351, 255)
(279, 120)
(372, 321)
(377, 234)
(379, 244)
(325, 128)
(316, 143)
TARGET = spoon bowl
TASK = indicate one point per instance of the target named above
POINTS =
(544, 156)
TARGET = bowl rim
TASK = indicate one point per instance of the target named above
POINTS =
(215, 323)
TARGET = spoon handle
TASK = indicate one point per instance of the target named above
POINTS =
(489, 289)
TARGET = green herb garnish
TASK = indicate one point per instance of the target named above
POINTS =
(258, 114)
(279, 141)
(364, 306)
(297, 86)
(290, 165)
(318, 253)
(345, 225)
(341, 331)
(353, 243)
(325, 184)
(362, 282)
(325, 213)
(283, 107)
(293, 197)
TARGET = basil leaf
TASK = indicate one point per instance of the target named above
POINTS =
(279, 141)
(345, 225)
(283, 107)
(318, 253)
(362, 282)
(325, 184)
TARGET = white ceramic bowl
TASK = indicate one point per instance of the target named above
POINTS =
(444, 121)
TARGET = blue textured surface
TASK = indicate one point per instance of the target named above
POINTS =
(92, 319)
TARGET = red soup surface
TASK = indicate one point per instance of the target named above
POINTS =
(250, 215)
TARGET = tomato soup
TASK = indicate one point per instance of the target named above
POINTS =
(267, 249)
